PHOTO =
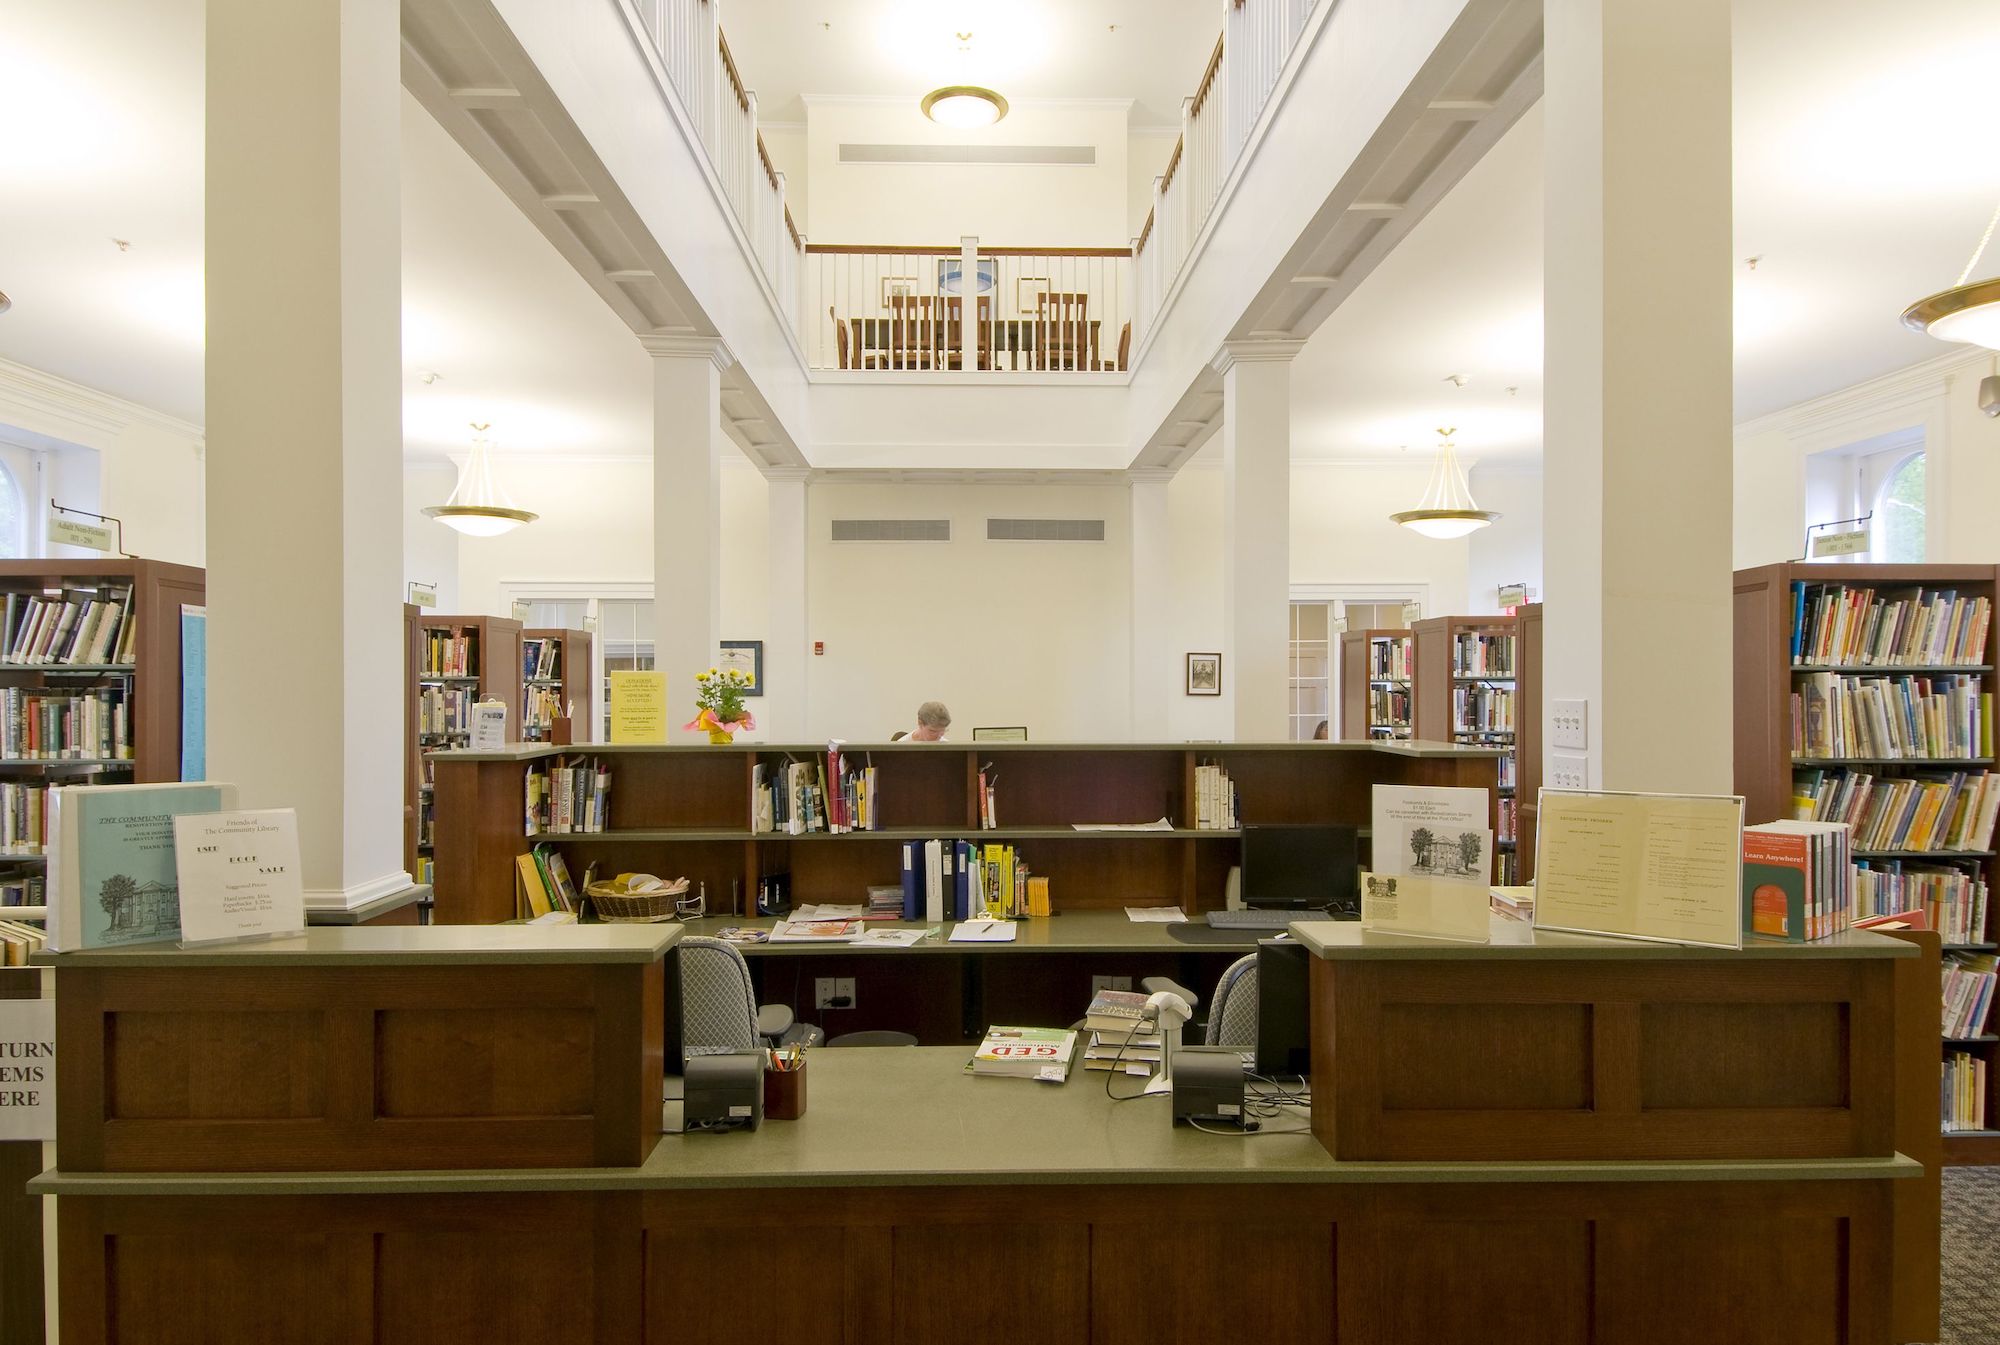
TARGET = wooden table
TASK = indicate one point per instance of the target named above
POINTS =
(1018, 339)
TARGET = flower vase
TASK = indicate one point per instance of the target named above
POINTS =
(722, 737)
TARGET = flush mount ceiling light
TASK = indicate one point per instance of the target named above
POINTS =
(1447, 509)
(476, 507)
(5, 302)
(964, 106)
(1965, 312)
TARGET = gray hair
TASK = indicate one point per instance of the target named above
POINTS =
(933, 715)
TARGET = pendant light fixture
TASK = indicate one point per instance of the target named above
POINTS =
(964, 107)
(477, 507)
(1965, 312)
(1447, 509)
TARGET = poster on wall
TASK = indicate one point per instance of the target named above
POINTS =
(638, 706)
(194, 693)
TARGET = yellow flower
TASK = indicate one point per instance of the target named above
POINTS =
(701, 677)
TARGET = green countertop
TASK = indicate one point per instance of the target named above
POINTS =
(399, 945)
(362, 914)
(1070, 932)
(911, 1117)
(1340, 941)
(1405, 747)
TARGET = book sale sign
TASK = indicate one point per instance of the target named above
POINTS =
(27, 1069)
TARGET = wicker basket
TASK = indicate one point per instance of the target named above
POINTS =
(616, 905)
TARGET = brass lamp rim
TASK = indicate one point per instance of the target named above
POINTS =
(1424, 515)
(936, 96)
(1933, 308)
(479, 511)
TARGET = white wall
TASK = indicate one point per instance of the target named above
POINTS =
(1146, 155)
(1509, 551)
(1341, 533)
(596, 524)
(1194, 519)
(430, 549)
(787, 143)
(928, 205)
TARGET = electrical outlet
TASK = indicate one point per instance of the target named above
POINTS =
(823, 991)
(1100, 984)
(1568, 772)
(1569, 724)
(843, 993)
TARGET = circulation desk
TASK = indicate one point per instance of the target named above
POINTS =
(912, 1203)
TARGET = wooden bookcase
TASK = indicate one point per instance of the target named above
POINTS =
(150, 682)
(1527, 734)
(1358, 719)
(492, 671)
(686, 811)
(1765, 677)
(572, 685)
(1436, 719)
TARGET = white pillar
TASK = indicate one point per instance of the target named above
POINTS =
(1257, 531)
(1637, 460)
(304, 429)
(687, 514)
(784, 705)
(1156, 672)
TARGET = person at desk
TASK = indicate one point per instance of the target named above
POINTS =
(932, 720)
(1319, 734)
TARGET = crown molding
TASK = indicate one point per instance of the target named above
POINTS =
(800, 474)
(682, 346)
(1901, 389)
(1234, 353)
(87, 408)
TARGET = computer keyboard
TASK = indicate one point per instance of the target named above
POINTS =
(1254, 919)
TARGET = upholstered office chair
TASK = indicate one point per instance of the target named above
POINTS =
(719, 1010)
(1232, 1010)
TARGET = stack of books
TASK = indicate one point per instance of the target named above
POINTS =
(83, 626)
(1968, 995)
(1798, 880)
(1514, 902)
(568, 794)
(1043, 1053)
(1122, 1038)
(19, 939)
(1215, 799)
(1934, 811)
(1892, 718)
(884, 903)
(1853, 626)
(1962, 1092)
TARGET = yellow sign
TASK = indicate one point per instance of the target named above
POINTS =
(1640, 866)
(638, 707)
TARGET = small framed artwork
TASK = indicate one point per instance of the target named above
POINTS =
(747, 657)
(897, 287)
(1204, 674)
(1009, 733)
(1026, 290)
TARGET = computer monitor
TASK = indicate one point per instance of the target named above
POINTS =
(1284, 1008)
(1309, 867)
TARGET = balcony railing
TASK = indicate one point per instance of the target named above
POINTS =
(1040, 310)
(1257, 39)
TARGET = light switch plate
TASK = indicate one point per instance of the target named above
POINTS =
(1569, 724)
(1568, 772)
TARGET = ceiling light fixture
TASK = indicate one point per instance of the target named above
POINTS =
(5, 302)
(1447, 509)
(964, 106)
(476, 507)
(1965, 312)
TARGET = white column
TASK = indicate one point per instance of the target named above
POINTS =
(783, 712)
(304, 429)
(1156, 672)
(687, 514)
(1637, 472)
(1257, 531)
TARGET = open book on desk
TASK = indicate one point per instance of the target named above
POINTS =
(983, 931)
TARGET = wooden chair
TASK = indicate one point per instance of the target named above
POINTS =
(1124, 349)
(982, 341)
(1062, 330)
(916, 331)
(839, 336)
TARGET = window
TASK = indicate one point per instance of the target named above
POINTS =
(625, 639)
(13, 515)
(1898, 526)
(1312, 660)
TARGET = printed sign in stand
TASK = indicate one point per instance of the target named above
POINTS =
(1433, 860)
(1663, 867)
(638, 706)
(27, 1069)
(239, 876)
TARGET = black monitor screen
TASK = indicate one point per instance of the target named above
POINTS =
(1296, 868)
(1284, 1014)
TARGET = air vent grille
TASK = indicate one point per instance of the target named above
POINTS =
(1044, 529)
(892, 530)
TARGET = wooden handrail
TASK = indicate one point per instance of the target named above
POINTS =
(1173, 162)
(1145, 232)
(864, 249)
(793, 229)
(729, 67)
(1208, 76)
(764, 157)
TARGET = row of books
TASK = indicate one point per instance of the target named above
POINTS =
(545, 882)
(540, 707)
(1482, 654)
(450, 653)
(960, 880)
(22, 889)
(541, 657)
(829, 794)
(1798, 880)
(1962, 1092)
(1388, 707)
(989, 797)
(58, 726)
(24, 828)
(569, 794)
(1478, 708)
(1391, 659)
(1954, 899)
(76, 626)
(1968, 994)
(445, 709)
(1859, 626)
(1943, 717)
(1930, 811)
(425, 873)
(1216, 802)
(18, 940)
(1509, 819)
(1510, 771)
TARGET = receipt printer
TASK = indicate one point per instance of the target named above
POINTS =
(1208, 1084)
(724, 1092)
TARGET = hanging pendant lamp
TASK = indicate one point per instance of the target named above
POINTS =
(477, 507)
(1447, 509)
(1965, 312)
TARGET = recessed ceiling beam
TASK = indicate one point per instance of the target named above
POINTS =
(1316, 282)
(486, 96)
(570, 201)
(1378, 209)
(630, 277)
(1461, 109)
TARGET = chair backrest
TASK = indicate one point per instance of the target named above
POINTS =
(718, 1003)
(1124, 346)
(916, 329)
(840, 334)
(1232, 1013)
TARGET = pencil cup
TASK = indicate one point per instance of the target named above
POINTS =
(559, 731)
(785, 1094)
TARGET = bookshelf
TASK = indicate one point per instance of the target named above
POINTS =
(1466, 692)
(686, 811)
(456, 661)
(1528, 736)
(1771, 686)
(561, 678)
(124, 677)
(1376, 670)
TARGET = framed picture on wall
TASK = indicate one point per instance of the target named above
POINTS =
(1204, 674)
(897, 287)
(747, 657)
(1028, 289)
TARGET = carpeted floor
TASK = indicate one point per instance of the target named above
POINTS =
(1971, 1256)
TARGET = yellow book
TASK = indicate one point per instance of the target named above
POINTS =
(532, 889)
(1038, 896)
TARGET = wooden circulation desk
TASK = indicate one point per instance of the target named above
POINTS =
(1599, 1142)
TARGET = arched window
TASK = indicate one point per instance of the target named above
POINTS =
(1899, 513)
(13, 515)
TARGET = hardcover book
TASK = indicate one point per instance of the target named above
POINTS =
(112, 876)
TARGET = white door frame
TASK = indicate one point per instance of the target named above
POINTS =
(1400, 590)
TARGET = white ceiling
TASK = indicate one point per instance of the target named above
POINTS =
(1865, 171)
(1149, 51)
